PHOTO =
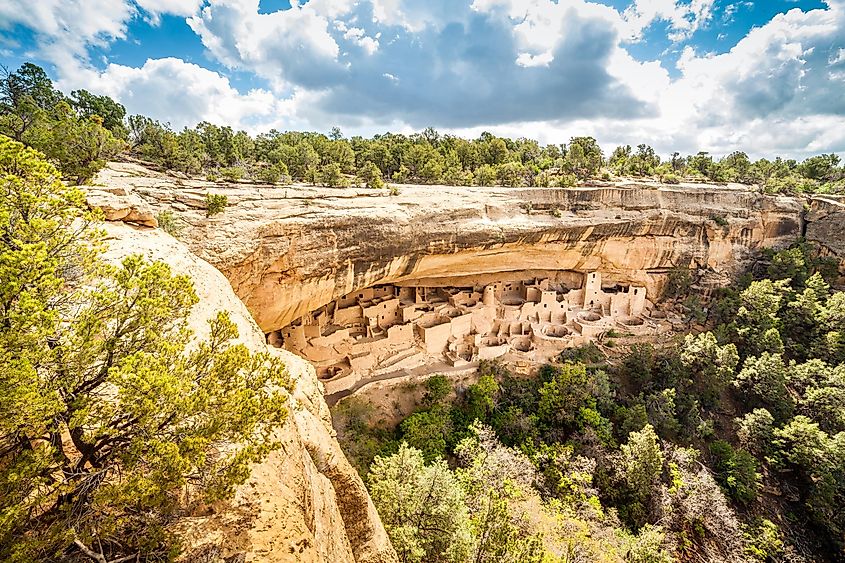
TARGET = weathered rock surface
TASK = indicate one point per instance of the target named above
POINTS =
(826, 224)
(289, 250)
(305, 502)
(119, 205)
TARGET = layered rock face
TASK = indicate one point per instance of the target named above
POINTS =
(290, 250)
(304, 502)
(825, 225)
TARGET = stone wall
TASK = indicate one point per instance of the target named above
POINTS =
(291, 250)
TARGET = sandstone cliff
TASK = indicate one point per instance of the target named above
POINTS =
(305, 502)
(289, 250)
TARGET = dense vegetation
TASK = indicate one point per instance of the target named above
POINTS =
(111, 422)
(80, 133)
(728, 445)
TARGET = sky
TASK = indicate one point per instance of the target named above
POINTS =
(680, 75)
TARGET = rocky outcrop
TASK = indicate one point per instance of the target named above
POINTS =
(117, 204)
(290, 250)
(305, 502)
(825, 224)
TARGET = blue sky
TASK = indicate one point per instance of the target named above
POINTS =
(765, 77)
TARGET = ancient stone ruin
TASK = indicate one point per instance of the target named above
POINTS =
(385, 328)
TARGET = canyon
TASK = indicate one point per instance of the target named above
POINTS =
(287, 257)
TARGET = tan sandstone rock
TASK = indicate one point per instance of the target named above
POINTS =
(289, 250)
(305, 502)
(117, 204)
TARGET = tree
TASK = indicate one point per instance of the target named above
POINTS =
(422, 507)
(757, 324)
(106, 417)
(712, 365)
(27, 96)
(479, 399)
(331, 175)
(215, 203)
(497, 481)
(485, 175)
(304, 159)
(736, 471)
(563, 397)
(511, 174)
(428, 431)
(738, 167)
(437, 388)
(273, 173)
(762, 382)
(112, 113)
(371, 175)
(821, 167)
(495, 152)
(584, 157)
(642, 461)
(818, 459)
(79, 146)
(756, 431)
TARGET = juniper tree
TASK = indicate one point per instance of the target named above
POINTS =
(111, 421)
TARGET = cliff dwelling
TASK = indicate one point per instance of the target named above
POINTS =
(455, 322)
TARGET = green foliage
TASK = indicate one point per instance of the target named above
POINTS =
(215, 203)
(589, 353)
(332, 176)
(362, 441)
(371, 175)
(755, 431)
(712, 365)
(232, 173)
(648, 547)
(71, 133)
(567, 402)
(87, 105)
(273, 173)
(437, 388)
(79, 146)
(106, 415)
(642, 461)
(423, 507)
(736, 471)
(169, 223)
(762, 381)
(583, 157)
(427, 431)
(764, 541)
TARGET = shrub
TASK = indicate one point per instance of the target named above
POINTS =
(215, 203)
(371, 175)
(719, 220)
(273, 174)
(736, 471)
(567, 181)
(394, 190)
(168, 223)
(232, 173)
(331, 175)
(670, 179)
